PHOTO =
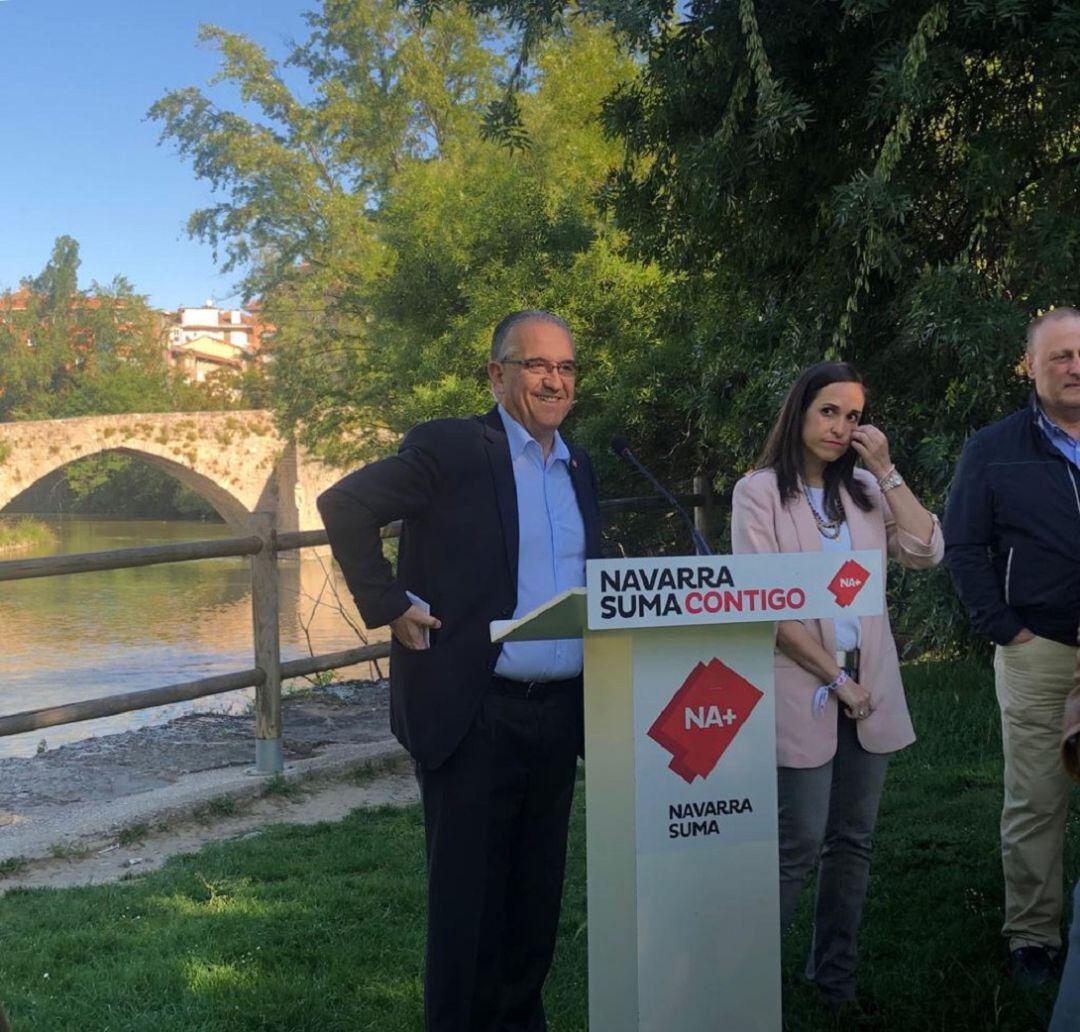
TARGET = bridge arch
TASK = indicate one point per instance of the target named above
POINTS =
(224, 503)
(235, 460)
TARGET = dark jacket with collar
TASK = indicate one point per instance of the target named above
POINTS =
(452, 484)
(1012, 532)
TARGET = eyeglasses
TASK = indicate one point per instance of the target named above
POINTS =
(542, 367)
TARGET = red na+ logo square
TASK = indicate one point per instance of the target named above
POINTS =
(848, 582)
(703, 718)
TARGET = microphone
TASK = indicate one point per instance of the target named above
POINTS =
(621, 447)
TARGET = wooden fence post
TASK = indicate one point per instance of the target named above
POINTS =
(703, 511)
(269, 758)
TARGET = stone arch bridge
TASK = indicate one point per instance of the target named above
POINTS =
(235, 460)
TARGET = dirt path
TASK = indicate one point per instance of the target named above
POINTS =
(110, 859)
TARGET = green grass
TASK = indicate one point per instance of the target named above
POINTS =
(132, 834)
(66, 851)
(932, 956)
(321, 928)
(280, 786)
(23, 533)
(366, 773)
(300, 929)
(13, 865)
(216, 808)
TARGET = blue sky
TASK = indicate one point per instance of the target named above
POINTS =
(77, 155)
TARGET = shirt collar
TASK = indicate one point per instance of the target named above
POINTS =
(1048, 426)
(519, 438)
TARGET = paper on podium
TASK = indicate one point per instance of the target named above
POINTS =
(563, 616)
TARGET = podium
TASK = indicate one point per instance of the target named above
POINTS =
(680, 787)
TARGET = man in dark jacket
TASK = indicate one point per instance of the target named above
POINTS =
(1012, 544)
(500, 514)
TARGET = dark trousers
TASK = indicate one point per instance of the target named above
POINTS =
(495, 817)
(827, 816)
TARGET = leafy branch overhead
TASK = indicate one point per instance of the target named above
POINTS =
(716, 192)
(888, 181)
(531, 24)
(364, 202)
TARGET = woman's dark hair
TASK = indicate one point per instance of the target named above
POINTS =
(783, 450)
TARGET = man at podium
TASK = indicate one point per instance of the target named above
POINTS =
(500, 514)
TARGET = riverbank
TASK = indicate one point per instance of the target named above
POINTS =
(22, 535)
(90, 635)
(92, 811)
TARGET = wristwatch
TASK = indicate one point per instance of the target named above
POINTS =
(890, 480)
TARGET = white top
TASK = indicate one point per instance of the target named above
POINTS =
(846, 627)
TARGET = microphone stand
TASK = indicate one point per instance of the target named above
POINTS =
(623, 451)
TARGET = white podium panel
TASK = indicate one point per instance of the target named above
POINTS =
(681, 809)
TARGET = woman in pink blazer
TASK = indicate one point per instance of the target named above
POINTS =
(840, 707)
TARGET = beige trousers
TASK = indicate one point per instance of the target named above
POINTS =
(1032, 681)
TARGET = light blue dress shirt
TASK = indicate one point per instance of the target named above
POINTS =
(1059, 439)
(551, 552)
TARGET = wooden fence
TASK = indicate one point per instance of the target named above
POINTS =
(263, 545)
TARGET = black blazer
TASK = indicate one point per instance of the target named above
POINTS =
(452, 484)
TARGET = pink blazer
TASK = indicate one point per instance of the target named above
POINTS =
(759, 523)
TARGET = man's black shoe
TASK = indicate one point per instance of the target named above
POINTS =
(1032, 966)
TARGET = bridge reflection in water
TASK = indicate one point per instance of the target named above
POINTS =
(64, 639)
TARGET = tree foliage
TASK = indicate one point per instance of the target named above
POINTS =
(893, 182)
(66, 351)
(887, 181)
(404, 234)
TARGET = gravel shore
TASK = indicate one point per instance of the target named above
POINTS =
(69, 801)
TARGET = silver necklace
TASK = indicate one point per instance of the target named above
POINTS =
(827, 528)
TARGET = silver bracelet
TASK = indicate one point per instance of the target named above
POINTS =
(889, 479)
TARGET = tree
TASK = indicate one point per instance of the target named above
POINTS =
(65, 351)
(58, 282)
(403, 234)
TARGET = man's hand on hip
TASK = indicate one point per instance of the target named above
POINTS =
(412, 627)
(1024, 635)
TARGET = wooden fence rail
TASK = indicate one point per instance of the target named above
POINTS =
(263, 546)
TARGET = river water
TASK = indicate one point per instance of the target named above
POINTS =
(63, 639)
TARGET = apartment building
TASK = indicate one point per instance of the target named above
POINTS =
(204, 340)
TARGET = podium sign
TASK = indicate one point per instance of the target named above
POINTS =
(687, 591)
(682, 856)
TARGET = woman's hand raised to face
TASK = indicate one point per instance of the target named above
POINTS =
(872, 447)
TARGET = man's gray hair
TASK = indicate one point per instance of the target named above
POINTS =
(501, 339)
(1062, 312)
